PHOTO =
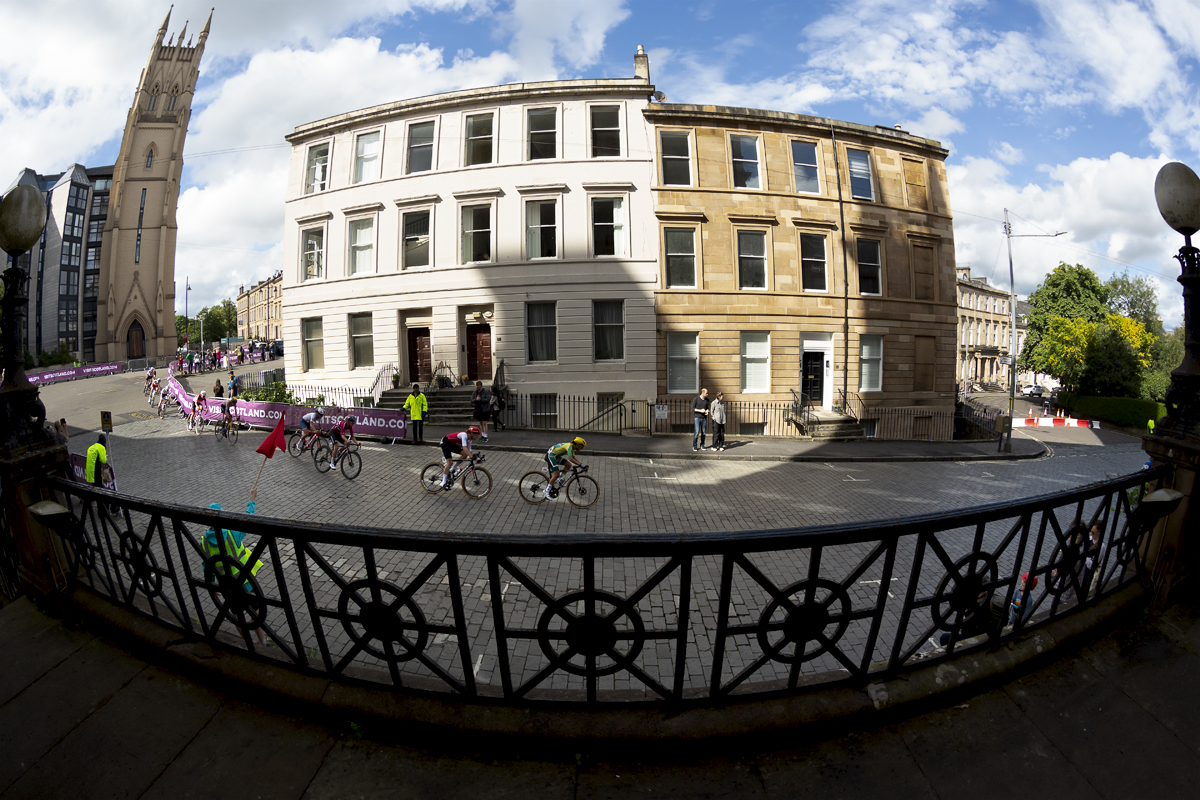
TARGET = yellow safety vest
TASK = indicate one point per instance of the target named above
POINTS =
(95, 453)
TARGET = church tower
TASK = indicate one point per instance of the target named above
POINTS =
(136, 306)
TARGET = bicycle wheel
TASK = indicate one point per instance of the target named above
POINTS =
(431, 478)
(476, 483)
(583, 491)
(531, 486)
(351, 464)
(294, 444)
(233, 430)
(321, 458)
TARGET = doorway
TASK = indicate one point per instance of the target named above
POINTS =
(420, 365)
(812, 377)
(479, 352)
(135, 341)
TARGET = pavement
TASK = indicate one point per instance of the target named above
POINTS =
(80, 716)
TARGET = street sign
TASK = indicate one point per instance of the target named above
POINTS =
(106, 421)
(660, 411)
(1006, 360)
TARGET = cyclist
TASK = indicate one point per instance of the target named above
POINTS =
(338, 433)
(558, 456)
(308, 426)
(150, 371)
(197, 418)
(227, 413)
(155, 388)
(162, 402)
(452, 447)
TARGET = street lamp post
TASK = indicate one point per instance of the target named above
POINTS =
(22, 218)
(1177, 191)
(200, 317)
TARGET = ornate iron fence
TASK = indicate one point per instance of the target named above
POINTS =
(599, 618)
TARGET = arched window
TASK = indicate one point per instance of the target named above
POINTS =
(153, 99)
(171, 100)
(150, 158)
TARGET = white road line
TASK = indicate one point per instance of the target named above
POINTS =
(852, 479)
(478, 661)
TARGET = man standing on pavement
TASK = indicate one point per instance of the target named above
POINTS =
(417, 405)
(700, 421)
(717, 413)
(97, 459)
(233, 384)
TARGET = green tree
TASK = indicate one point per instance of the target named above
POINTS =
(1167, 355)
(1065, 347)
(1071, 291)
(1113, 366)
(1134, 298)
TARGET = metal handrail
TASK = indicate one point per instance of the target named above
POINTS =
(427, 628)
(615, 407)
(805, 419)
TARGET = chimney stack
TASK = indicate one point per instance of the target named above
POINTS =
(641, 65)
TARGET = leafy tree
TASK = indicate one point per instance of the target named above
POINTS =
(1064, 349)
(1113, 367)
(1134, 298)
(1167, 355)
(1071, 291)
(1134, 333)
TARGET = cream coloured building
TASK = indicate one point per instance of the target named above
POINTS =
(259, 310)
(506, 224)
(984, 330)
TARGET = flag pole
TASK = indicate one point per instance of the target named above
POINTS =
(260, 469)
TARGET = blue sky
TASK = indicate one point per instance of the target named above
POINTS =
(1061, 111)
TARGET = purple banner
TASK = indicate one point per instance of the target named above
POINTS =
(70, 373)
(79, 471)
(380, 422)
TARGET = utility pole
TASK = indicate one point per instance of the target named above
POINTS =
(187, 287)
(1012, 318)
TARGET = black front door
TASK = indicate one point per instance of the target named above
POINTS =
(812, 377)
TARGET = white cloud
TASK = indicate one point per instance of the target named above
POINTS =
(1105, 205)
(1008, 154)
(936, 123)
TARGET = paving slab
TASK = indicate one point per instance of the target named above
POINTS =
(1121, 747)
(120, 750)
(693, 778)
(362, 769)
(987, 748)
(872, 764)
(38, 718)
(46, 644)
(260, 755)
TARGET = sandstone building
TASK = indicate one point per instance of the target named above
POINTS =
(259, 309)
(984, 331)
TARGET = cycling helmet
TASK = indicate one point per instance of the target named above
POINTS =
(203, 393)
(352, 420)
(472, 429)
(579, 441)
(320, 412)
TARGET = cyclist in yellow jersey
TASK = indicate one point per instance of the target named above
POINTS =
(558, 456)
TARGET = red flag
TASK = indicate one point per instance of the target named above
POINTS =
(274, 439)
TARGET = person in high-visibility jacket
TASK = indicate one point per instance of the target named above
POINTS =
(417, 405)
(211, 545)
(97, 458)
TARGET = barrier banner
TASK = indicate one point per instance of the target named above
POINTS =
(79, 471)
(1052, 422)
(380, 422)
(70, 373)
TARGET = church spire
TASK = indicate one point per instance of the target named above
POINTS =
(207, 25)
(162, 29)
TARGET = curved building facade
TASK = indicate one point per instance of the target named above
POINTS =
(511, 223)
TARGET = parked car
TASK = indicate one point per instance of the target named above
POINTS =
(1032, 390)
(277, 348)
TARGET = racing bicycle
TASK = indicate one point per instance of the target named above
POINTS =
(582, 490)
(476, 481)
(349, 459)
(226, 430)
(297, 446)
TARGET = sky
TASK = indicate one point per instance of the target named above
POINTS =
(1061, 111)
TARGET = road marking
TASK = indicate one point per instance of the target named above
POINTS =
(478, 662)
(852, 479)
(372, 447)
(987, 475)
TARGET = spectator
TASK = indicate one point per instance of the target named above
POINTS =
(482, 399)
(1091, 558)
(1021, 598)
(984, 617)
(97, 462)
(716, 413)
(191, 358)
(700, 419)
(218, 390)
(231, 544)
(233, 384)
(60, 431)
(417, 406)
(497, 406)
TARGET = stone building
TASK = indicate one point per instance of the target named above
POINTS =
(984, 325)
(457, 231)
(801, 254)
(136, 304)
(64, 266)
(259, 309)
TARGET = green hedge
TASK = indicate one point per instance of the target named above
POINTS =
(1128, 411)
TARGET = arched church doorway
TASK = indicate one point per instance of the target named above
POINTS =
(135, 341)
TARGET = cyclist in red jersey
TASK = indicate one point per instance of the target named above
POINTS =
(452, 446)
(338, 433)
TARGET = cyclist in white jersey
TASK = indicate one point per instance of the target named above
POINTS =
(308, 425)
(453, 445)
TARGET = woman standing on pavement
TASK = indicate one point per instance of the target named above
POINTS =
(716, 413)
(482, 399)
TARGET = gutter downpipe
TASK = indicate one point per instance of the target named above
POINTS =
(837, 169)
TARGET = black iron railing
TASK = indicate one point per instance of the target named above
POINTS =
(742, 417)
(560, 412)
(608, 618)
